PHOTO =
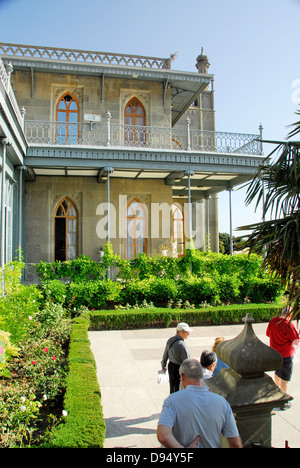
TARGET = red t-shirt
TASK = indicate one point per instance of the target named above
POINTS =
(282, 333)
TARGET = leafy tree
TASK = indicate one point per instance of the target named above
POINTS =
(224, 241)
(277, 186)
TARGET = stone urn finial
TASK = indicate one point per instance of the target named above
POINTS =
(251, 393)
(247, 355)
(202, 64)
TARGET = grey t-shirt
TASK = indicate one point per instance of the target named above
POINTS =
(176, 351)
(197, 411)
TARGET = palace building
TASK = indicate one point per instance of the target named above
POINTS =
(101, 146)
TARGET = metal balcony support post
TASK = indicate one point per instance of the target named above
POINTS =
(189, 174)
(207, 198)
(188, 134)
(260, 137)
(108, 171)
(21, 168)
(108, 116)
(229, 190)
(4, 142)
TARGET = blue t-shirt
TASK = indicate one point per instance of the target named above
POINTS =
(220, 365)
(197, 411)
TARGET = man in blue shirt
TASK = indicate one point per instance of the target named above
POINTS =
(196, 417)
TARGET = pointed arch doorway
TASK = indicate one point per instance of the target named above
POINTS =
(65, 231)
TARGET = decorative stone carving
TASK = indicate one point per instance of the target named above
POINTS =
(57, 197)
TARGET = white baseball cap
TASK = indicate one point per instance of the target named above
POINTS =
(184, 327)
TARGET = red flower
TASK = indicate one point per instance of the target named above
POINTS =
(34, 362)
(46, 350)
(54, 358)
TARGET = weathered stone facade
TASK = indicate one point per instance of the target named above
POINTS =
(118, 141)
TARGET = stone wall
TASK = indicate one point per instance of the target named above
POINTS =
(41, 95)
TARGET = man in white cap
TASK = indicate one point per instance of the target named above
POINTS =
(176, 351)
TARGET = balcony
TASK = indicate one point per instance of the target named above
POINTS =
(107, 134)
(11, 117)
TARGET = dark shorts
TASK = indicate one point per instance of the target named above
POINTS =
(285, 372)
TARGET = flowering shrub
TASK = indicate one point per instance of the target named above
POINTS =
(17, 413)
(41, 362)
(32, 377)
(36, 378)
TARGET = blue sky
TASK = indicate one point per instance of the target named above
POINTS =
(253, 47)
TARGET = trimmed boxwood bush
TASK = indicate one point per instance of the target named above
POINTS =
(84, 425)
(156, 290)
(156, 317)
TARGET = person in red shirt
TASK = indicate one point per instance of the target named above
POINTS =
(283, 337)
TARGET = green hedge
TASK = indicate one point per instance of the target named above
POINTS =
(197, 277)
(146, 318)
(214, 290)
(84, 425)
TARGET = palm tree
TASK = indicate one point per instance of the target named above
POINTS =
(277, 186)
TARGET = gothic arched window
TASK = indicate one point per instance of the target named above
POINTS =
(135, 121)
(65, 231)
(135, 229)
(67, 118)
(178, 229)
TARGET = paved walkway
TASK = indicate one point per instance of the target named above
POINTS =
(127, 364)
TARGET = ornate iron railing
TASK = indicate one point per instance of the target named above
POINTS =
(85, 56)
(106, 134)
(225, 142)
(30, 274)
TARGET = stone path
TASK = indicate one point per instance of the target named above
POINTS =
(127, 364)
